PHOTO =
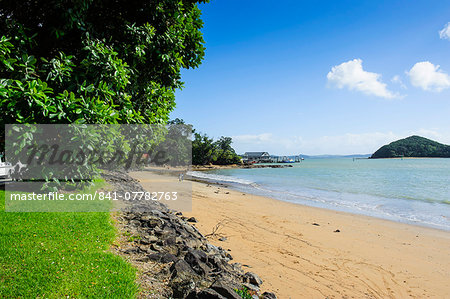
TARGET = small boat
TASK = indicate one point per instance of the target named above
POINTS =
(288, 161)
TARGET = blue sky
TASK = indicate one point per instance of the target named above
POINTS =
(329, 77)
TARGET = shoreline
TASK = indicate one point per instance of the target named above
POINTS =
(346, 254)
(229, 185)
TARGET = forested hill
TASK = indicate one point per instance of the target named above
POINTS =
(414, 146)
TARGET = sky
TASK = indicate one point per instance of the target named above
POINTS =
(328, 77)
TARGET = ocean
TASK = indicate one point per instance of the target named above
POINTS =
(415, 191)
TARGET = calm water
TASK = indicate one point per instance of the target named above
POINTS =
(410, 190)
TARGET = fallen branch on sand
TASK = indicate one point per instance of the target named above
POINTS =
(215, 231)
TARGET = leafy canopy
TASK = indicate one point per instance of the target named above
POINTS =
(94, 62)
(86, 61)
(207, 151)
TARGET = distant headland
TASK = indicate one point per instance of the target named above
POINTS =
(413, 147)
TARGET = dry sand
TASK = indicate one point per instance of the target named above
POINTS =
(298, 254)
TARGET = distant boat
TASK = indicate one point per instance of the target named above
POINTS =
(287, 161)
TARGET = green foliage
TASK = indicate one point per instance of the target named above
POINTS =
(88, 61)
(61, 255)
(244, 293)
(87, 148)
(414, 146)
(225, 153)
(206, 151)
(177, 144)
(203, 150)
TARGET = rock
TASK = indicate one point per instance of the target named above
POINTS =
(170, 241)
(207, 294)
(197, 260)
(134, 250)
(183, 279)
(182, 270)
(162, 257)
(316, 224)
(337, 231)
(190, 266)
(251, 287)
(252, 278)
(172, 249)
(192, 243)
(269, 295)
(151, 239)
(224, 290)
(157, 230)
(228, 256)
(152, 221)
(156, 248)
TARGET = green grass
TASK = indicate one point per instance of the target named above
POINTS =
(54, 255)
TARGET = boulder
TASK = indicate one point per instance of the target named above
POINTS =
(206, 294)
(192, 219)
(269, 295)
(224, 290)
(183, 279)
(197, 260)
(251, 287)
(252, 278)
(162, 257)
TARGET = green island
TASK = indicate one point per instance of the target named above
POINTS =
(413, 147)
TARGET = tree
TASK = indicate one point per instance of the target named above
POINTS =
(203, 150)
(102, 61)
(206, 151)
(225, 153)
(413, 146)
(178, 144)
(94, 62)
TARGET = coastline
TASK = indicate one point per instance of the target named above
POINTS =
(307, 252)
(298, 252)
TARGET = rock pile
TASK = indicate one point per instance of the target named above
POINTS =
(195, 268)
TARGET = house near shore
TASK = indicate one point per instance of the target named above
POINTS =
(256, 157)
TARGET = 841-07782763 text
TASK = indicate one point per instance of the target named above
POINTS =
(138, 196)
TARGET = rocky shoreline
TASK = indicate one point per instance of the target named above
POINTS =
(173, 258)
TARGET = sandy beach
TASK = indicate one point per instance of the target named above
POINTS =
(305, 252)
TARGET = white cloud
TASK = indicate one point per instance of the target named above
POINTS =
(350, 143)
(351, 75)
(445, 33)
(397, 80)
(428, 77)
(255, 139)
(433, 134)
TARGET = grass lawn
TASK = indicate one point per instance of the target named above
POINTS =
(55, 255)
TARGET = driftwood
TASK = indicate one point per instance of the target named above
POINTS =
(215, 231)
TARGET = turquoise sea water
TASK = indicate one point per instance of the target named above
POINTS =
(410, 190)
